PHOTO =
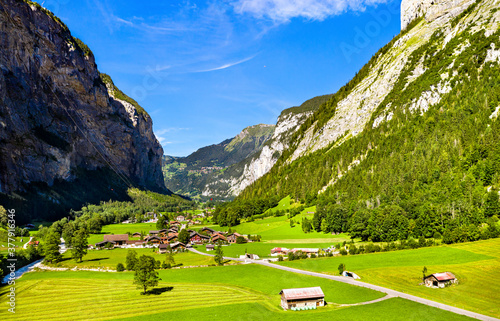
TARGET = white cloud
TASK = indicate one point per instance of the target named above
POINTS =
(163, 131)
(284, 10)
(228, 65)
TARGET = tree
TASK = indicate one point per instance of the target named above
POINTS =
(170, 260)
(131, 260)
(52, 241)
(291, 223)
(162, 222)
(424, 272)
(241, 240)
(79, 245)
(3, 216)
(341, 268)
(145, 274)
(120, 267)
(219, 255)
(183, 236)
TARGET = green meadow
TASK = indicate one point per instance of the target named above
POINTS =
(476, 265)
(108, 259)
(242, 292)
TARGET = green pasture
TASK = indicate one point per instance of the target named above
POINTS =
(476, 266)
(262, 249)
(108, 259)
(243, 292)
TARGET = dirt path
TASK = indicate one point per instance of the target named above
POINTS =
(390, 293)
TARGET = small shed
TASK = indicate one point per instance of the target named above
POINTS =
(302, 298)
(163, 248)
(137, 234)
(440, 280)
(210, 247)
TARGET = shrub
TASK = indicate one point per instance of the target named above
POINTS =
(120, 267)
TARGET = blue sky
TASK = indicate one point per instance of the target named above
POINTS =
(204, 70)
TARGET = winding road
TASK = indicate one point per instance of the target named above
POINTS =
(390, 293)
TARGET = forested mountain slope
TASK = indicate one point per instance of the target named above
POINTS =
(68, 136)
(411, 145)
(189, 175)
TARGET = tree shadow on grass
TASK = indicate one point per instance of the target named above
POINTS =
(97, 259)
(159, 291)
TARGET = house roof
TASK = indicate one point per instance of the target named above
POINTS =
(154, 232)
(104, 242)
(444, 276)
(137, 233)
(163, 246)
(279, 249)
(208, 229)
(116, 238)
(152, 238)
(303, 293)
(210, 246)
(177, 244)
(305, 250)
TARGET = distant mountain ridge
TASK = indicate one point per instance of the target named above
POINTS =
(223, 170)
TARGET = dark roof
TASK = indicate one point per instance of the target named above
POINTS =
(104, 242)
(207, 229)
(303, 293)
(163, 246)
(177, 244)
(210, 246)
(116, 238)
(152, 238)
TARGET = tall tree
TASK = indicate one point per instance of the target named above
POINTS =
(162, 222)
(145, 274)
(3, 216)
(79, 245)
(52, 241)
(183, 236)
(131, 260)
(219, 255)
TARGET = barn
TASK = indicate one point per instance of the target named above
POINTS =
(302, 298)
(119, 239)
(440, 280)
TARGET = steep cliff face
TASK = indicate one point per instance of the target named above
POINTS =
(431, 9)
(236, 178)
(58, 120)
(413, 116)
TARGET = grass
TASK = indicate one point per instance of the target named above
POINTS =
(4, 244)
(476, 266)
(262, 249)
(386, 310)
(108, 259)
(121, 229)
(243, 292)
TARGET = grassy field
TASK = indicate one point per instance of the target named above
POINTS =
(20, 241)
(263, 249)
(476, 265)
(108, 259)
(243, 292)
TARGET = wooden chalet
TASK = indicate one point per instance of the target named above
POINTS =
(153, 240)
(218, 238)
(233, 237)
(440, 280)
(302, 298)
(137, 234)
(197, 238)
(163, 248)
(119, 239)
(174, 223)
(173, 229)
(178, 246)
(210, 247)
(180, 218)
(159, 232)
(207, 230)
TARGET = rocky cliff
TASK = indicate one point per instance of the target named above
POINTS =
(236, 178)
(431, 9)
(60, 123)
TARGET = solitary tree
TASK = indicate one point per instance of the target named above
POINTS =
(341, 268)
(183, 236)
(145, 274)
(169, 260)
(424, 272)
(162, 222)
(219, 255)
(131, 260)
(52, 241)
(80, 244)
